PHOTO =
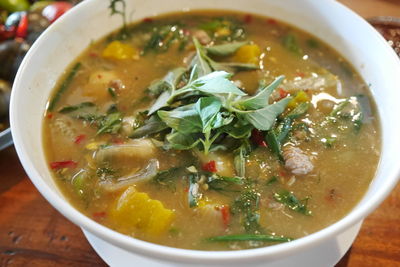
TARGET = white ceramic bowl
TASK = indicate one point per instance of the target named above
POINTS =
(348, 33)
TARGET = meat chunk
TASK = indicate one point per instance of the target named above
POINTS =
(297, 161)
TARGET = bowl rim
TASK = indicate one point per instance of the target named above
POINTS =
(170, 253)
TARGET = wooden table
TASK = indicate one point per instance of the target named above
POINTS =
(32, 233)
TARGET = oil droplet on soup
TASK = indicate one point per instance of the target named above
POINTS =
(212, 131)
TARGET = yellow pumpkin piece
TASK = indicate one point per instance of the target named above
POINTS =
(119, 51)
(248, 54)
(223, 32)
(300, 97)
(137, 211)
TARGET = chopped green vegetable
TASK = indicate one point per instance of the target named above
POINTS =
(193, 193)
(111, 123)
(273, 144)
(272, 180)
(292, 202)
(64, 86)
(72, 108)
(249, 237)
(290, 43)
(247, 205)
(222, 183)
(112, 92)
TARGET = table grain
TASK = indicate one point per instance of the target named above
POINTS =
(32, 233)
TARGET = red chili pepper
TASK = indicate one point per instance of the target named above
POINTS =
(49, 115)
(22, 29)
(258, 138)
(271, 21)
(56, 165)
(300, 74)
(6, 33)
(79, 139)
(226, 215)
(97, 216)
(248, 18)
(93, 54)
(147, 20)
(283, 93)
(210, 166)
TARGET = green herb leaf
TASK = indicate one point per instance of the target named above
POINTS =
(168, 83)
(111, 123)
(208, 108)
(64, 86)
(247, 205)
(248, 237)
(299, 111)
(151, 126)
(291, 201)
(217, 82)
(274, 144)
(223, 183)
(193, 189)
(225, 49)
(260, 100)
(290, 43)
(264, 118)
(241, 155)
(180, 141)
(69, 109)
(184, 119)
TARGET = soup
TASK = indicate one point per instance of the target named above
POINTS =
(212, 130)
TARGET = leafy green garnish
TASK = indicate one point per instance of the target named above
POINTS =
(64, 86)
(118, 7)
(290, 43)
(274, 144)
(292, 202)
(247, 205)
(193, 189)
(111, 122)
(225, 49)
(241, 155)
(69, 109)
(223, 183)
(272, 180)
(163, 36)
(249, 237)
(151, 126)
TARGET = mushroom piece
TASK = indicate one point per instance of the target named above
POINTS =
(297, 161)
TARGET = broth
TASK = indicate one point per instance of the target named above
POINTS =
(208, 169)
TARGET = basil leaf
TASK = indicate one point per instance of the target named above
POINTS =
(168, 83)
(111, 123)
(201, 59)
(193, 189)
(153, 125)
(274, 144)
(183, 119)
(260, 100)
(180, 141)
(290, 43)
(264, 118)
(299, 110)
(225, 49)
(69, 109)
(238, 129)
(217, 82)
(241, 154)
(208, 108)
(162, 101)
(292, 202)
(249, 237)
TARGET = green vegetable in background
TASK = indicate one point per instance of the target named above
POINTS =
(14, 5)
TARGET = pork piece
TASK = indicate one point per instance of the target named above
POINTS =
(297, 161)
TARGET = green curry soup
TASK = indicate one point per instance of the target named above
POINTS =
(212, 131)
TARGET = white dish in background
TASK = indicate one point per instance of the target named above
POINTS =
(348, 33)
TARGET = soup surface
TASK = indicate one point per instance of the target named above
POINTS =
(213, 131)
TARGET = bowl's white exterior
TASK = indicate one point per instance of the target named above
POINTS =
(358, 42)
